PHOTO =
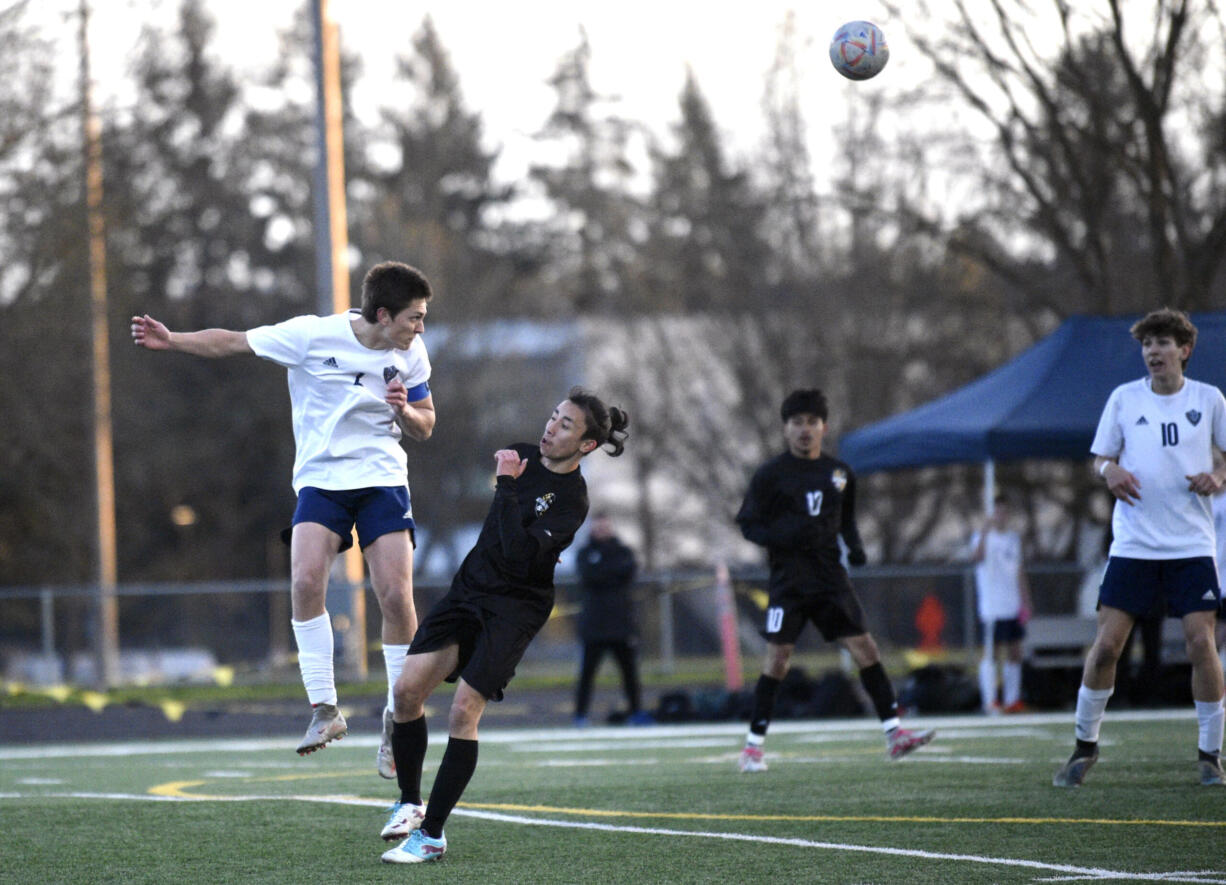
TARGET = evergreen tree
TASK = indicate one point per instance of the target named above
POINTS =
(594, 236)
(706, 244)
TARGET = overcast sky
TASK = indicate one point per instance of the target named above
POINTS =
(504, 53)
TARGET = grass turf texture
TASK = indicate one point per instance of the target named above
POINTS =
(646, 805)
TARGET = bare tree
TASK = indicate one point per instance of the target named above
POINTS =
(1110, 163)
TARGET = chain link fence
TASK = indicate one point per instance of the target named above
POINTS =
(194, 631)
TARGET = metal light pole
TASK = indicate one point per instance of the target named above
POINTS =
(332, 263)
(107, 628)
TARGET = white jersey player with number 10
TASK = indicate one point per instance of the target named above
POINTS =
(1157, 448)
(1163, 440)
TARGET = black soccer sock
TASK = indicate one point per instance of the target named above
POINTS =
(409, 740)
(1208, 757)
(454, 772)
(878, 686)
(764, 695)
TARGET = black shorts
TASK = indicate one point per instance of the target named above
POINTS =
(491, 644)
(836, 612)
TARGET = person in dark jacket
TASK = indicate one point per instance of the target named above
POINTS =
(606, 623)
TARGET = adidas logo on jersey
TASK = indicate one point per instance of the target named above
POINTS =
(1141, 421)
(331, 363)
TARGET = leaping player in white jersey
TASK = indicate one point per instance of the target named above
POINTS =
(1158, 449)
(358, 380)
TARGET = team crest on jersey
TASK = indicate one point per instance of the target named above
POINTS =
(389, 372)
(839, 479)
(543, 503)
(1193, 416)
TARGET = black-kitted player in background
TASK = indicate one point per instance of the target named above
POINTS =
(797, 505)
(500, 598)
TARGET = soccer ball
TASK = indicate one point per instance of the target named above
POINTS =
(859, 51)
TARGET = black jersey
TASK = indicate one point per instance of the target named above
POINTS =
(533, 519)
(796, 508)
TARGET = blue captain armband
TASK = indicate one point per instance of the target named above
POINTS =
(419, 393)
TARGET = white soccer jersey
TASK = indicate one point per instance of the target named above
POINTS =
(996, 576)
(1162, 440)
(344, 432)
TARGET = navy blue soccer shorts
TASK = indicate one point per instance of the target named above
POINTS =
(374, 511)
(1136, 586)
(1005, 630)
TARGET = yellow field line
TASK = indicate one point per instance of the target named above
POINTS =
(177, 788)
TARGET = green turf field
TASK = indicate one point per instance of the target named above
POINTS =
(644, 805)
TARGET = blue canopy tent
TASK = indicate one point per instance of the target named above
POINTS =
(1044, 403)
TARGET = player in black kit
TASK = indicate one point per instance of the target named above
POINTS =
(499, 599)
(797, 505)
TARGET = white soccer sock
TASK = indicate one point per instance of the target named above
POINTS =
(1211, 717)
(755, 740)
(315, 646)
(393, 660)
(1013, 682)
(1091, 705)
(987, 682)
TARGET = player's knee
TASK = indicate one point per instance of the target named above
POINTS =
(464, 716)
(1201, 647)
(396, 605)
(863, 650)
(309, 582)
(1102, 655)
(409, 697)
(777, 658)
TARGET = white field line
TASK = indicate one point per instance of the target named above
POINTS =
(1071, 871)
(626, 736)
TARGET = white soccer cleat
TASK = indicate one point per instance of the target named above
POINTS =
(327, 724)
(404, 819)
(751, 759)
